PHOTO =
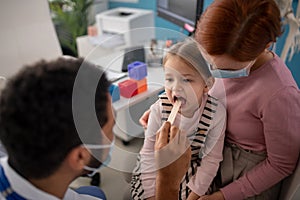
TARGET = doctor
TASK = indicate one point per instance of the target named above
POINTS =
(45, 150)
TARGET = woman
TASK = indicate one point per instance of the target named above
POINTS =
(262, 99)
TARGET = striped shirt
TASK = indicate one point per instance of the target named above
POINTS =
(199, 176)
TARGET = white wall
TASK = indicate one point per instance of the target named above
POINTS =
(27, 34)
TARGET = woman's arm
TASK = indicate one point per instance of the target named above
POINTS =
(280, 118)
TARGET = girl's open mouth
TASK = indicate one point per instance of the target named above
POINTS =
(183, 100)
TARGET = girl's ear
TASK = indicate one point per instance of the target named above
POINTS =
(209, 83)
(206, 89)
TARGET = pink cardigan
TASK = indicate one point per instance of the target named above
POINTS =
(263, 112)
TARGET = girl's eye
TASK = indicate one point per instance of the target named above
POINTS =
(169, 79)
(186, 80)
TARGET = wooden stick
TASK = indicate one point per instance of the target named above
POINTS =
(174, 112)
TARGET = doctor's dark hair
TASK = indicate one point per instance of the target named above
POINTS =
(36, 121)
(239, 28)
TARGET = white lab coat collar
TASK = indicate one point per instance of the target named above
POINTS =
(28, 191)
(21, 185)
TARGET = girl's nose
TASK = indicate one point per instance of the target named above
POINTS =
(177, 86)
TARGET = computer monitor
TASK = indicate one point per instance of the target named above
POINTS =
(180, 12)
(132, 54)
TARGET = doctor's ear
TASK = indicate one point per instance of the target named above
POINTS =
(78, 157)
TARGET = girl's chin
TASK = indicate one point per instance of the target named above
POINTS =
(187, 112)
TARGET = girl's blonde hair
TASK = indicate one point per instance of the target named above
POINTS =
(189, 52)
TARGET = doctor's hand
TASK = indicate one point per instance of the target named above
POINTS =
(172, 156)
(144, 119)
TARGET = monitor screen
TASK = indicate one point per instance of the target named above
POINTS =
(180, 12)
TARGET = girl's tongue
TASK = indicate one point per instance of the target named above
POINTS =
(183, 100)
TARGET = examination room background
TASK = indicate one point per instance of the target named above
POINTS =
(294, 64)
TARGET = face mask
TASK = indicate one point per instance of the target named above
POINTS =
(221, 73)
(106, 161)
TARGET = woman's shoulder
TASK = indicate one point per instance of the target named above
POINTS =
(277, 74)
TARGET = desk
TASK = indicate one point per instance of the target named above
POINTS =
(129, 110)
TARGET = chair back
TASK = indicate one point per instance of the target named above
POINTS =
(290, 189)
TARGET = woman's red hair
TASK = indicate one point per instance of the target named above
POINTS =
(239, 28)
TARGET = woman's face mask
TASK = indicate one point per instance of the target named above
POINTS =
(222, 73)
(107, 160)
(231, 68)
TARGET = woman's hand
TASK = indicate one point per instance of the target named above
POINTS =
(144, 119)
(214, 196)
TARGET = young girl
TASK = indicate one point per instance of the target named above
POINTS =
(201, 117)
